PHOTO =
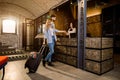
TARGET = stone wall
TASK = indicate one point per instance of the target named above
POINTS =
(9, 39)
(14, 40)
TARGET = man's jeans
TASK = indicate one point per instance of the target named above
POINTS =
(51, 48)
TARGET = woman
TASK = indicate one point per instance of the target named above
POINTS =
(50, 36)
(71, 30)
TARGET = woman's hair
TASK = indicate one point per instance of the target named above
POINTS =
(48, 23)
(71, 23)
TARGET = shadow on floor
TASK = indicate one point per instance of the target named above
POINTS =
(36, 76)
(63, 73)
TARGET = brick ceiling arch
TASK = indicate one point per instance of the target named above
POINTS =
(29, 8)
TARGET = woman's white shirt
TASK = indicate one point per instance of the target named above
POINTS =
(52, 31)
(72, 31)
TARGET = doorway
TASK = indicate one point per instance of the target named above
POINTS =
(28, 35)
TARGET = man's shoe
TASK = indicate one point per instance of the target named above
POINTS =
(31, 71)
(44, 62)
(50, 64)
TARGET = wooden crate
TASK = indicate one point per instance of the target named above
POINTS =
(58, 42)
(94, 29)
(67, 49)
(99, 43)
(72, 42)
(60, 49)
(71, 60)
(99, 55)
(93, 19)
(72, 51)
(60, 57)
(63, 41)
(98, 67)
(94, 26)
(67, 41)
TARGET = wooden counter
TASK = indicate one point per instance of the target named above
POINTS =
(99, 54)
(66, 50)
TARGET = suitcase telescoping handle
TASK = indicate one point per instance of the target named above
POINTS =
(42, 49)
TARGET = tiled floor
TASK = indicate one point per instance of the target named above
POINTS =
(15, 71)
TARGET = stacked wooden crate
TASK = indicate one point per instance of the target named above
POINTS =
(94, 26)
(99, 54)
(66, 51)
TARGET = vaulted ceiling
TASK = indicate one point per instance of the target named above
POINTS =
(29, 8)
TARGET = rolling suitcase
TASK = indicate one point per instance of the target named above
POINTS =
(33, 61)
